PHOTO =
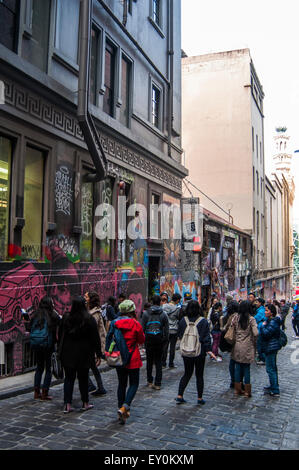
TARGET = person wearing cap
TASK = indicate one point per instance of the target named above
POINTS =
(133, 334)
(164, 298)
(260, 317)
(187, 298)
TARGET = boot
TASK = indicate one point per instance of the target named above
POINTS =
(45, 395)
(37, 393)
(238, 389)
(247, 390)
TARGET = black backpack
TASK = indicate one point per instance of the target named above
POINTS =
(154, 329)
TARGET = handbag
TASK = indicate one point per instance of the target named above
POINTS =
(56, 366)
(230, 335)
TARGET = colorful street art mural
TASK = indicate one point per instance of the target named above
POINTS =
(22, 285)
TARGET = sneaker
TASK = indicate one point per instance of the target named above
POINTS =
(272, 394)
(219, 359)
(260, 363)
(201, 402)
(122, 415)
(149, 384)
(99, 393)
(91, 388)
(156, 387)
(180, 401)
(172, 366)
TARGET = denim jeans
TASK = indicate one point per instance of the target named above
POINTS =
(154, 358)
(261, 355)
(242, 370)
(97, 376)
(43, 360)
(295, 324)
(172, 342)
(124, 396)
(69, 381)
(271, 368)
(232, 365)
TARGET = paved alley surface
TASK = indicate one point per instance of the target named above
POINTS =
(157, 422)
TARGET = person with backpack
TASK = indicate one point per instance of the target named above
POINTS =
(109, 312)
(194, 334)
(93, 306)
(270, 334)
(243, 352)
(155, 325)
(172, 310)
(43, 327)
(216, 321)
(79, 341)
(132, 333)
(232, 309)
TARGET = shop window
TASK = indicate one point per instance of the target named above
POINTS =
(86, 242)
(35, 49)
(33, 204)
(9, 10)
(7, 367)
(5, 174)
(66, 37)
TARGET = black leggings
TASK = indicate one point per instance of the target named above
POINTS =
(189, 363)
(70, 377)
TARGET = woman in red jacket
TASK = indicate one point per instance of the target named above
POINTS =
(133, 335)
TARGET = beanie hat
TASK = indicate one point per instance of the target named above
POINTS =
(127, 306)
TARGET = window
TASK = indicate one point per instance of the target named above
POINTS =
(257, 148)
(105, 246)
(261, 157)
(108, 100)
(257, 182)
(125, 91)
(156, 106)
(262, 187)
(154, 221)
(33, 204)
(157, 12)
(95, 35)
(5, 174)
(87, 194)
(253, 178)
(36, 49)
(253, 139)
(257, 223)
(66, 37)
(9, 23)
(130, 6)
(253, 220)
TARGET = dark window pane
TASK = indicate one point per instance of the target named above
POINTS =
(156, 11)
(36, 50)
(125, 89)
(67, 28)
(155, 106)
(8, 23)
(5, 169)
(93, 65)
(108, 102)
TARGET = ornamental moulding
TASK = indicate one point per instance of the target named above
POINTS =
(51, 115)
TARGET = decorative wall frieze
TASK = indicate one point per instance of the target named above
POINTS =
(43, 111)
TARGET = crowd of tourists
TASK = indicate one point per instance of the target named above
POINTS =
(250, 330)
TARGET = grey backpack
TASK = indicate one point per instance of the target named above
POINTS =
(190, 345)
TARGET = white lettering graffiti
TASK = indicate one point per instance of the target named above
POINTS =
(63, 191)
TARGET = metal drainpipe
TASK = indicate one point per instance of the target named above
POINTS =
(170, 65)
(86, 122)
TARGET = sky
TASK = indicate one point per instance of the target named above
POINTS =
(270, 30)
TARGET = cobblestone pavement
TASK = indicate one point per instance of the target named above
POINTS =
(157, 423)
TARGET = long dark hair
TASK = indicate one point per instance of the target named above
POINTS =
(272, 309)
(193, 309)
(44, 312)
(232, 308)
(78, 316)
(244, 313)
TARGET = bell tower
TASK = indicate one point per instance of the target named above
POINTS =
(282, 156)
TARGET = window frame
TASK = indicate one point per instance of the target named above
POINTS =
(126, 58)
(157, 25)
(56, 53)
(14, 152)
(112, 44)
(154, 84)
(99, 87)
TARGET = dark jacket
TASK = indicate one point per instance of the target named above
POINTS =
(155, 309)
(270, 335)
(296, 312)
(203, 331)
(215, 320)
(111, 313)
(79, 347)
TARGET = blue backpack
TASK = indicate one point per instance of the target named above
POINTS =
(117, 353)
(40, 338)
(154, 330)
